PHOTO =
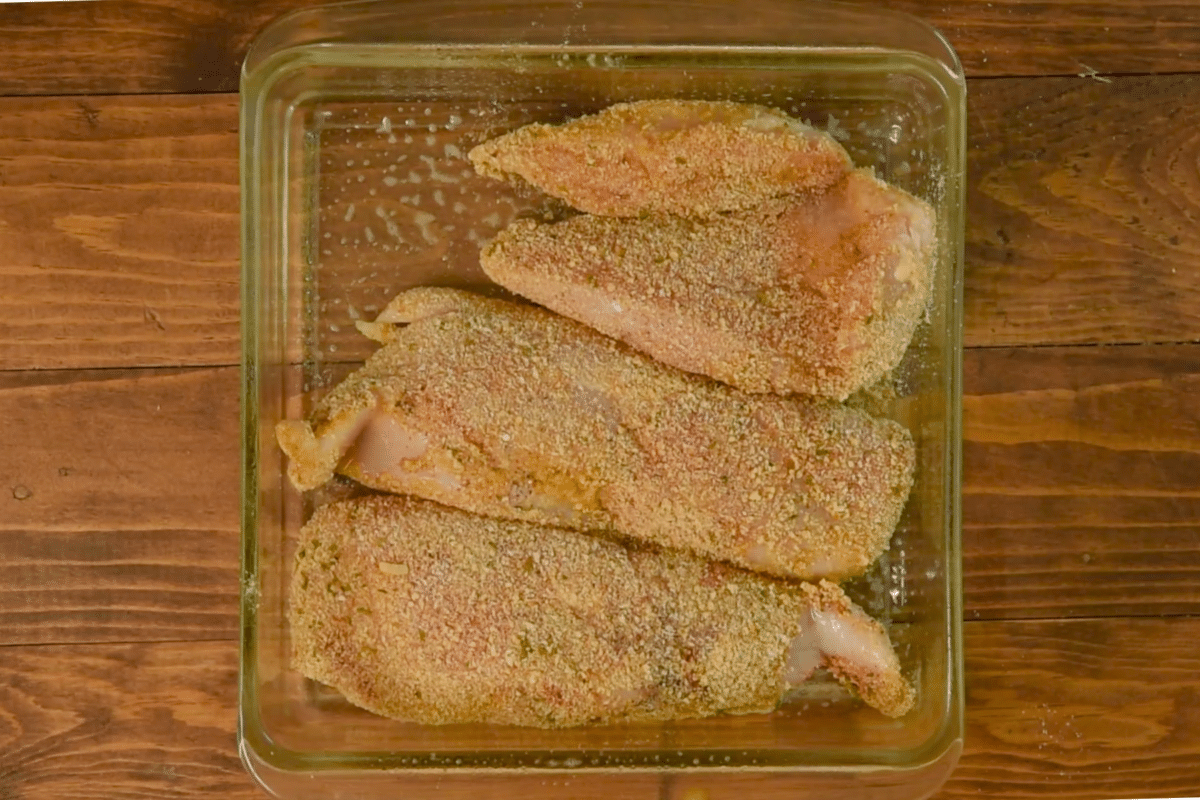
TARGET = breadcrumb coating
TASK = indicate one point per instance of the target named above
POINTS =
(510, 411)
(431, 615)
(816, 293)
(693, 158)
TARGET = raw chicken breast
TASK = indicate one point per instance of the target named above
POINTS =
(507, 410)
(816, 293)
(427, 614)
(693, 158)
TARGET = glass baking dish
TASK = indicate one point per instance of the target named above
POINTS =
(355, 124)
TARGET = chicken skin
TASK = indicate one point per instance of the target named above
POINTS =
(691, 158)
(510, 411)
(815, 293)
(427, 614)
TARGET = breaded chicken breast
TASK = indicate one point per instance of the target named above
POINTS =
(815, 293)
(508, 410)
(686, 157)
(431, 615)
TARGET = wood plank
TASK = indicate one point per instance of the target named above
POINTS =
(119, 222)
(118, 585)
(1081, 494)
(135, 450)
(170, 46)
(160, 720)
(118, 232)
(135, 721)
(121, 47)
(1063, 37)
(119, 505)
(1084, 201)
(1083, 709)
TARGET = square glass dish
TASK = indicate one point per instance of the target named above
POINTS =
(356, 120)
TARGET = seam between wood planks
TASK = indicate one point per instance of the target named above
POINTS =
(349, 362)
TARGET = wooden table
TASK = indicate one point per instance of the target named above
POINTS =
(119, 420)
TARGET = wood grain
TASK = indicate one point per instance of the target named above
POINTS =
(118, 505)
(118, 232)
(159, 720)
(1081, 709)
(119, 47)
(1084, 709)
(119, 498)
(170, 46)
(136, 721)
(1083, 208)
(1081, 494)
(119, 222)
